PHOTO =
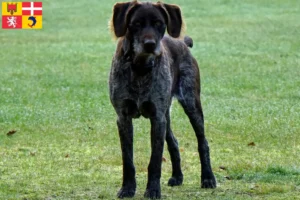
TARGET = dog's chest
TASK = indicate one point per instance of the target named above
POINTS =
(146, 94)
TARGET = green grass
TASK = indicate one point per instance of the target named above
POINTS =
(54, 92)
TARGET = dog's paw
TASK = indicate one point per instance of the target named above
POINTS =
(153, 193)
(209, 182)
(126, 192)
(175, 181)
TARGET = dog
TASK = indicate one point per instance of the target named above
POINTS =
(149, 69)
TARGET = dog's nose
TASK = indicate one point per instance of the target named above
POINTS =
(149, 45)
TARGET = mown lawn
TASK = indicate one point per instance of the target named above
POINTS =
(54, 93)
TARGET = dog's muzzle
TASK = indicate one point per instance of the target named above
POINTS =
(149, 45)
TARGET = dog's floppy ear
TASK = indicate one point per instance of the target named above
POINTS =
(119, 18)
(174, 19)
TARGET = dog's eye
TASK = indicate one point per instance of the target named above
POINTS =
(137, 24)
(157, 23)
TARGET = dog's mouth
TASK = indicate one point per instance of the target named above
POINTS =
(144, 55)
(154, 51)
(146, 49)
(143, 63)
(144, 60)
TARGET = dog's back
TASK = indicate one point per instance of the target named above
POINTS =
(182, 63)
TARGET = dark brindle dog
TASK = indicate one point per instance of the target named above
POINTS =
(148, 69)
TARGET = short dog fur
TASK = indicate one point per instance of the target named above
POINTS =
(148, 69)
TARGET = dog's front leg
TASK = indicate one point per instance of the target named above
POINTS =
(126, 138)
(158, 131)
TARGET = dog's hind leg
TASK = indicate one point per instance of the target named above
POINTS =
(126, 138)
(192, 108)
(177, 176)
(189, 98)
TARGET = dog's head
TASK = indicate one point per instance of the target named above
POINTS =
(144, 25)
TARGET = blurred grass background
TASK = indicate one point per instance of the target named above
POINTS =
(54, 93)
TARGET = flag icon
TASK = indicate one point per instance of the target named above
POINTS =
(22, 15)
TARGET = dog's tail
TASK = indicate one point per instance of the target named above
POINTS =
(188, 41)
